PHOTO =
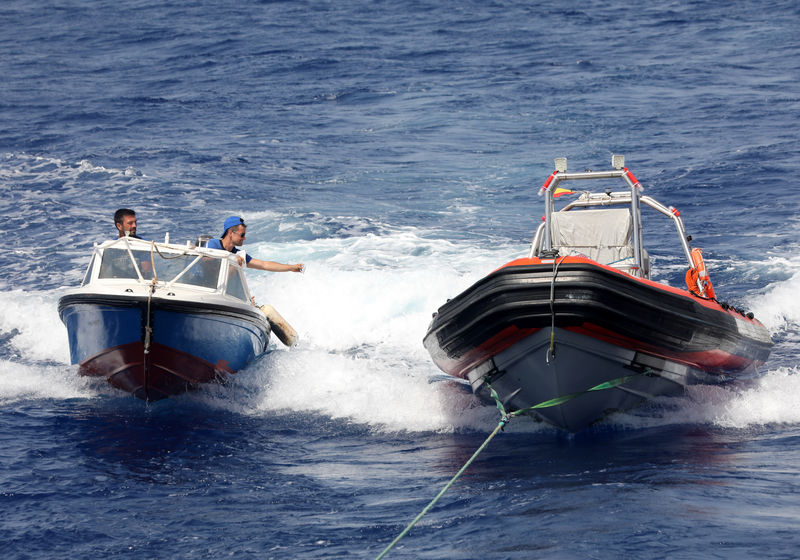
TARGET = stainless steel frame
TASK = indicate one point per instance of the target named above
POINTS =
(632, 198)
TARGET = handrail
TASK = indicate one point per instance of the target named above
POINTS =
(672, 213)
(632, 198)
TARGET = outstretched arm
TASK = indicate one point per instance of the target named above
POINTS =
(272, 266)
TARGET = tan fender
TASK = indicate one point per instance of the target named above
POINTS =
(280, 327)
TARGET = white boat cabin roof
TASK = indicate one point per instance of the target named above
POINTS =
(136, 263)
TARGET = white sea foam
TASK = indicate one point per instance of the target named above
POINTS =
(31, 323)
(20, 381)
(361, 309)
(779, 307)
(774, 399)
(770, 399)
(16, 165)
(368, 390)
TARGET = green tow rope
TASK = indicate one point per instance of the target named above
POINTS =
(441, 493)
(506, 418)
(560, 400)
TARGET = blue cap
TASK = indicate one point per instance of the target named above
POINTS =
(233, 221)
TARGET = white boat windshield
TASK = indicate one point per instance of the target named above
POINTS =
(117, 263)
(235, 285)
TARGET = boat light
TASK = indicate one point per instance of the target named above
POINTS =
(561, 164)
(617, 161)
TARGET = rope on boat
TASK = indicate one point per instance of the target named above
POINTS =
(562, 399)
(166, 257)
(148, 329)
(551, 351)
(505, 419)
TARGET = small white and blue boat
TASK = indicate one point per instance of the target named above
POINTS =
(158, 319)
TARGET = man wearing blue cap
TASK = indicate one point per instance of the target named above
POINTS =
(233, 233)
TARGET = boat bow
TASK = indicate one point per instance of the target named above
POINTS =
(581, 311)
(157, 319)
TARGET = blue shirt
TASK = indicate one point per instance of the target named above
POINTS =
(217, 244)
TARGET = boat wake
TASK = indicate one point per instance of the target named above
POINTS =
(779, 308)
(361, 310)
(768, 400)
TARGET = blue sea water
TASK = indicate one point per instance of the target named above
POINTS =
(396, 148)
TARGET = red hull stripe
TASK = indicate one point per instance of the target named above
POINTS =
(709, 360)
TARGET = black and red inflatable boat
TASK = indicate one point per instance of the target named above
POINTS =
(578, 324)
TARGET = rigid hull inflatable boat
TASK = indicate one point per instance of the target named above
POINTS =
(157, 319)
(577, 330)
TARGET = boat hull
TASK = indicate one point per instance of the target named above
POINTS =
(604, 325)
(529, 373)
(188, 343)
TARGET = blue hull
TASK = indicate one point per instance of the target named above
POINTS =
(189, 343)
